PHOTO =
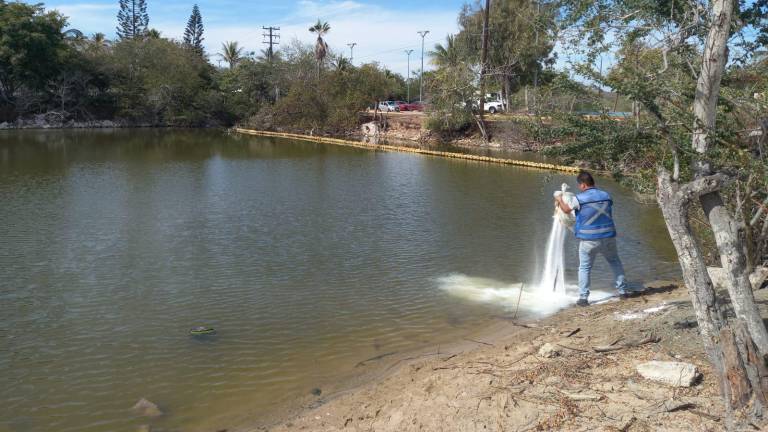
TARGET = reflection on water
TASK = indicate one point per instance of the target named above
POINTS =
(306, 258)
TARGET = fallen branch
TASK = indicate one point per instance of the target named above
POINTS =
(479, 342)
(705, 415)
(572, 348)
(378, 357)
(582, 396)
(573, 332)
(631, 344)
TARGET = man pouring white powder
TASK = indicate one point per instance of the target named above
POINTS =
(596, 231)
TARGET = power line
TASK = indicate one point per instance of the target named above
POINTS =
(274, 37)
(414, 46)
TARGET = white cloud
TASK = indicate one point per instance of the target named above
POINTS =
(325, 9)
(90, 17)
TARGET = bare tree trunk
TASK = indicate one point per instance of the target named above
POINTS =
(527, 106)
(484, 68)
(731, 347)
(741, 371)
(734, 261)
(673, 201)
(724, 226)
(714, 58)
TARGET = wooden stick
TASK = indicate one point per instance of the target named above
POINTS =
(519, 296)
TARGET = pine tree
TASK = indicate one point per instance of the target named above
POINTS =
(132, 19)
(193, 34)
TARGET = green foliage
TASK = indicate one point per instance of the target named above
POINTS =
(453, 92)
(605, 144)
(330, 105)
(132, 19)
(231, 52)
(31, 49)
(193, 33)
(521, 40)
(158, 81)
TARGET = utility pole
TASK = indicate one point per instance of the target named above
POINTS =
(273, 38)
(422, 33)
(351, 51)
(483, 69)
(408, 76)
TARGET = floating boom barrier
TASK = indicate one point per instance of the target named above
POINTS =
(385, 147)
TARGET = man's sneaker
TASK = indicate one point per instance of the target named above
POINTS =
(582, 302)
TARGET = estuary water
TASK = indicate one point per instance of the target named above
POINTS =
(308, 259)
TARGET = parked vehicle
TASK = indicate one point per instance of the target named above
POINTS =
(494, 106)
(402, 106)
(416, 106)
(388, 106)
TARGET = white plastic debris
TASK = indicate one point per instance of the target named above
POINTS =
(641, 314)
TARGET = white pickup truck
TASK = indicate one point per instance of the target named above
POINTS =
(494, 106)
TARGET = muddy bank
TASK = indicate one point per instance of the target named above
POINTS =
(505, 133)
(511, 381)
(48, 121)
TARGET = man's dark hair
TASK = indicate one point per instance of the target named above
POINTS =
(585, 178)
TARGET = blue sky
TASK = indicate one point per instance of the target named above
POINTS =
(382, 30)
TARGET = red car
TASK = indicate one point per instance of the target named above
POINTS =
(415, 106)
(402, 106)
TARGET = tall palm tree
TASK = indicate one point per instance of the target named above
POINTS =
(231, 52)
(321, 48)
(445, 55)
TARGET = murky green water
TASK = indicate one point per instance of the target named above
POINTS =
(306, 258)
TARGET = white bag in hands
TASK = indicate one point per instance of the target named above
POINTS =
(567, 219)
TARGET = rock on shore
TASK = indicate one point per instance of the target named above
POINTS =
(676, 374)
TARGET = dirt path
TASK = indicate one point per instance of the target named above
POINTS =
(509, 385)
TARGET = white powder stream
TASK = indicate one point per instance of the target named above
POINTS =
(548, 295)
(553, 277)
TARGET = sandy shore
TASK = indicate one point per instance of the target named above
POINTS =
(504, 383)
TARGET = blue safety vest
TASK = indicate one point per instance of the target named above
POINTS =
(594, 218)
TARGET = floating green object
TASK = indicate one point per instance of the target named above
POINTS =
(202, 331)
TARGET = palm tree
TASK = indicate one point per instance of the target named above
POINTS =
(99, 42)
(100, 39)
(321, 48)
(341, 63)
(445, 55)
(231, 52)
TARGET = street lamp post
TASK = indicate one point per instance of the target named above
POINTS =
(351, 51)
(422, 33)
(408, 76)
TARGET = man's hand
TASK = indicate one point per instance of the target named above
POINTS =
(561, 203)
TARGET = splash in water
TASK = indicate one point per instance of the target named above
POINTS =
(548, 295)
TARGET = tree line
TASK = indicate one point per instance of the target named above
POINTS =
(143, 78)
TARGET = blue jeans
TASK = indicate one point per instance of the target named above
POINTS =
(588, 250)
